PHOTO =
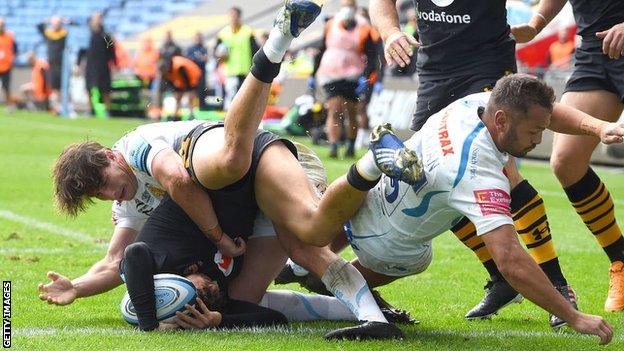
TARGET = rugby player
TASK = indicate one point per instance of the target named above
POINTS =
(453, 168)
(170, 242)
(465, 47)
(597, 88)
(242, 170)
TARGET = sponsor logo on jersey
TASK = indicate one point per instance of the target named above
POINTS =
(474, 159)
(443, 135)
(442, 3)
(493, 201)
(225, 263)
(156, 191)
(443, 17)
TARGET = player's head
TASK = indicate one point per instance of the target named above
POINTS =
(168, 36)
(88, 170)
(147, 43)
(235, 15)
(56, 22)
(1, 24)
(198, 39)
(208, 290)
(96, 21)
(347, 11)
(518, 111)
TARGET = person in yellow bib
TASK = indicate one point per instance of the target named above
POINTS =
(235, 48)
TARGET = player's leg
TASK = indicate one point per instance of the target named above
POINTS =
(334, 122)
(338, 276)
(177, 95)
(297, 209)
(227, 160)
(351, 108)
(264, 258)
(588, 195)
(306, 307)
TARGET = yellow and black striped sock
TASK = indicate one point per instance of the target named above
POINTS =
(466, 232)
(592, 201)
(531, 222)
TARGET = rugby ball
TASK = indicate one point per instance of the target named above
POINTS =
(172, 293)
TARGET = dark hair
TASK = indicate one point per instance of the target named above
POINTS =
(236, 9)
(78, 175)
(519, 92)
(213, 302)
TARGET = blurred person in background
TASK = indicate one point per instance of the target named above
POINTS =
(35, 94)
(367, 87)
(235, 47)
(55, 36)
(169, 47)
(347, 60)
(560, 52)
(100, 56)
(199, 55)
(183, 76)
(123, 62)
(8, 51)
(145, 62)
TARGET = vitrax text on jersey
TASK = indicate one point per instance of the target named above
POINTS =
(443, 17)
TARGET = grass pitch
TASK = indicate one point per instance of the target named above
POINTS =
(34, 239)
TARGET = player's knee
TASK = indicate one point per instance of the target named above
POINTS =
(560, 164)
(236, 165)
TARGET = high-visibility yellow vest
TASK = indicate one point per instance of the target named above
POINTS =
(239, 50)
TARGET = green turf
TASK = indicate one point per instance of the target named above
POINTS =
(438, 298)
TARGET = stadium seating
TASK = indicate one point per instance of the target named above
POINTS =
(123, 18)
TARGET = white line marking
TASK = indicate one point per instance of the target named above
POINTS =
(494, 334)
(87, 131)
(49, 227)
(46, 250)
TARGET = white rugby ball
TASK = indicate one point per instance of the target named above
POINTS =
(172, 293)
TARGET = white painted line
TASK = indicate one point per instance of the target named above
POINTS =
(46, 250)
(87, 131)
(494, 334)
(49, 227)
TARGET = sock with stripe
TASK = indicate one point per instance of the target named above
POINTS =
(593, 203)
(466, 232)
(347, 284)
(531, 222)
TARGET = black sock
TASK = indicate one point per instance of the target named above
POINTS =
(356, 180)
(492, 269)
(263, 69)
(138, 266)
(553, 272)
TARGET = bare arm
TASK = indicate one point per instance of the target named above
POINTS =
(101, 277)
(529, 280)
(546, 11)
(397, 45)
(384, 17)
(169, 171)
(568, 120)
